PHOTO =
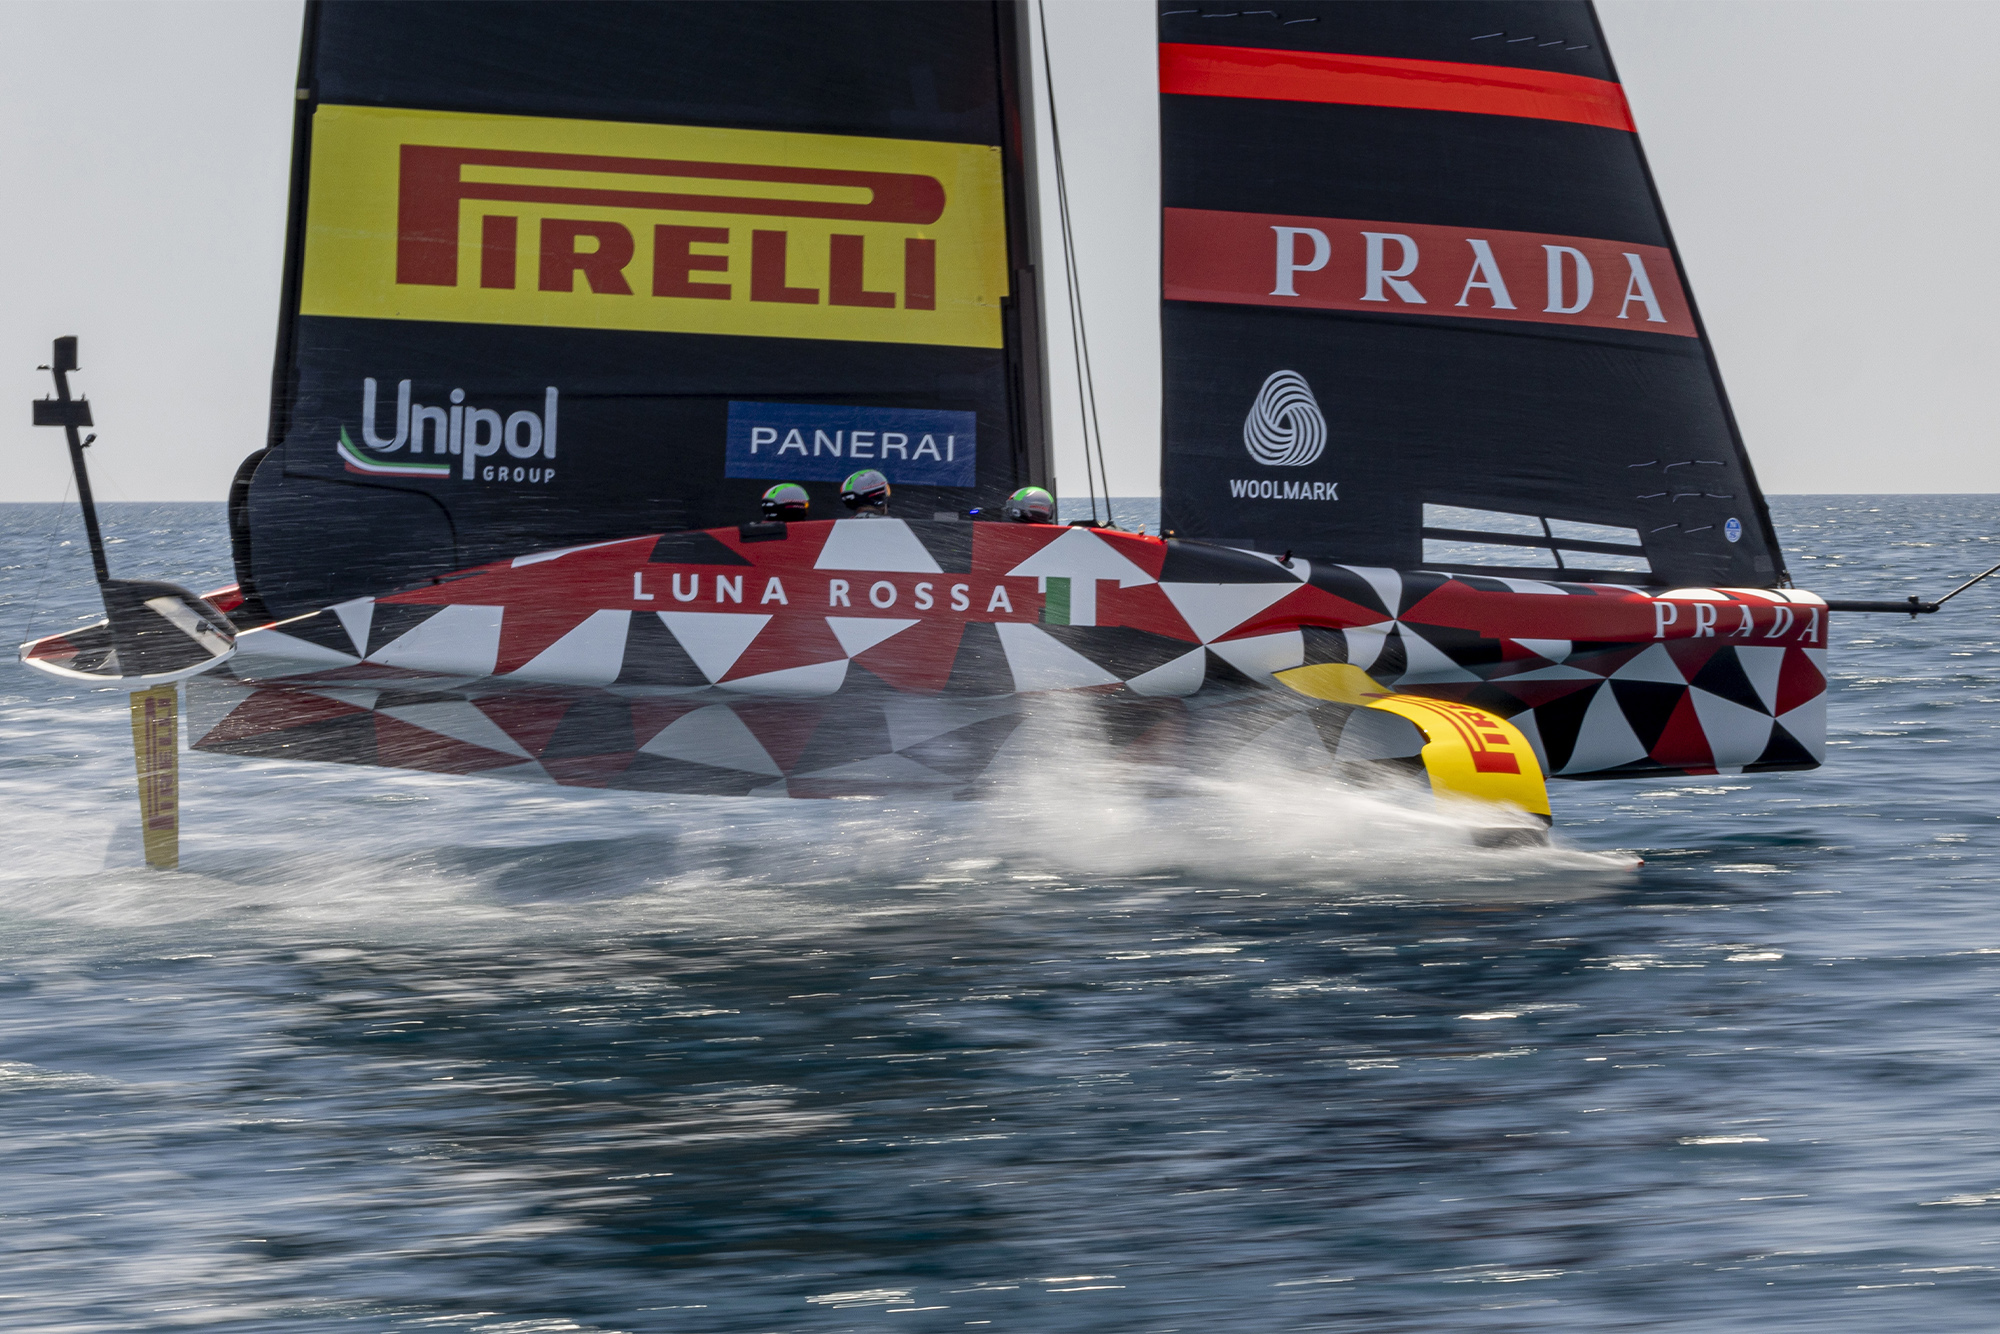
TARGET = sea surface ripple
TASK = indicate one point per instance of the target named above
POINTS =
(407, 1052)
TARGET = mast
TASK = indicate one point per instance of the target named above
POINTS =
(1028, 341)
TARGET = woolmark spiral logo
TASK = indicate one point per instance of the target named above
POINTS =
(1285, 428)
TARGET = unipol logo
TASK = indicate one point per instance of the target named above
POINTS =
(473, 433)
(1285, 428)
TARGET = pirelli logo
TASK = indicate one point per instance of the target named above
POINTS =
(518, 220)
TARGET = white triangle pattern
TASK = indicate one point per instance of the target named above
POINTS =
(1261, 655)
(1388, 585)
(914, 719)
(1655, 665)
(353, 697)
(1529, 728)
(1213, 610)
(210, 699)
(1763, 664)
(1555, 650)
(1427, 663)
(886, 545)
(1605, 740)
(1179, 676)
(713, 736)
(461, 721)
(858, 634)
(1807, 726)
(1736, 735)
(591, 654)
(714, 640)
(1555, 672)
(1366, 642)
(275, 653)
(883, 771)
(817, 678)
(1040, 661)
(461, 639)
(355, 617)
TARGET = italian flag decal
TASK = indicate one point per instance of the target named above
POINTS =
(358, 459)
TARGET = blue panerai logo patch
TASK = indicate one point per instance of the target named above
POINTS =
(815, 442)
(1733, 530)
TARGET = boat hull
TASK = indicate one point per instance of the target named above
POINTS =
(873, 657)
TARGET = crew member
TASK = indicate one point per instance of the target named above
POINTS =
(867, 494)
(785, 502)
(1031, 504)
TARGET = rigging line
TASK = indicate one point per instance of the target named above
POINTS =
(48, 545)
(1071, 283)
(1086, 389)
(1967, 584)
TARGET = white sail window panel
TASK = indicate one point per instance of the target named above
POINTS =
(1593, 532)
(1453, 533)
(1484, 521)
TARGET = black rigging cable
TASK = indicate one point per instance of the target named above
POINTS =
(1086, 389)
(48, 549)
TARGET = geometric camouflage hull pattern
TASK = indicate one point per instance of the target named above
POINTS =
(876, 656)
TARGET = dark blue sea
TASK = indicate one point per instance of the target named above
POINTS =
(403, 1052)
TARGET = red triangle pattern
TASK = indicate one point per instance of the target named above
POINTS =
(408, 746)
(788, 641)
(528, 717)
(273, 710)
(527, 630)
(918, 659)
(650, 717)
(1682, 742)
(782, 728)
(1799, 681)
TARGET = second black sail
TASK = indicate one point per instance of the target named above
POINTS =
(1421, 306)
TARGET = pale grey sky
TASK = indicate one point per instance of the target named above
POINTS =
(1828, 167)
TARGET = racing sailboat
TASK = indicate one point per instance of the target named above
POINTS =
(1450, 483)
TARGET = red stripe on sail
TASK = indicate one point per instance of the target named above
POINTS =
(1382, 81)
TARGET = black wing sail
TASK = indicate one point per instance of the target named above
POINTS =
(1421, 306)
(565, 273)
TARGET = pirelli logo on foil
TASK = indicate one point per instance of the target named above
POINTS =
(425, 215)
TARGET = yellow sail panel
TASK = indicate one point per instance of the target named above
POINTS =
(444, 216)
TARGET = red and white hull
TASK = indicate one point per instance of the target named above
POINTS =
(873, 656)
